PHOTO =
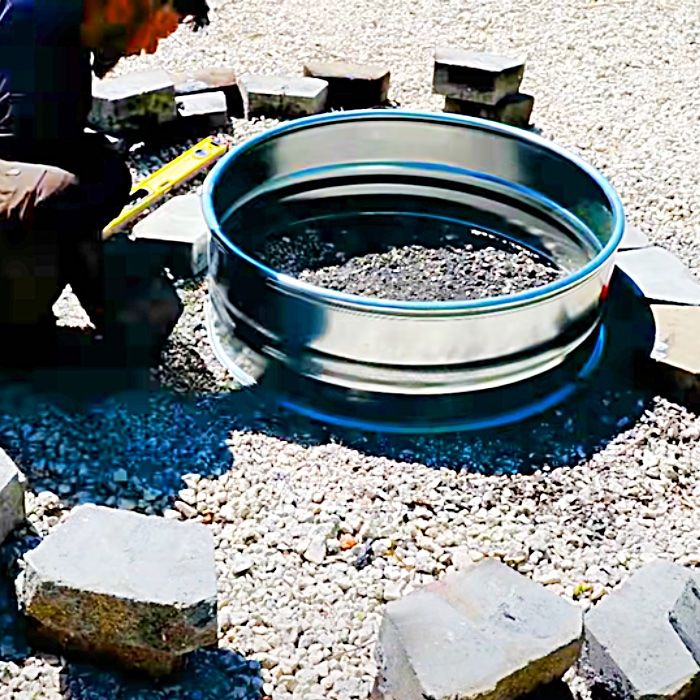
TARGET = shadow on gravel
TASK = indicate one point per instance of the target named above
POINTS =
(208, 675)
(612, 401)
(600, 692)
(554, 691)
(13, 631)
(127, 449)
(75, 434)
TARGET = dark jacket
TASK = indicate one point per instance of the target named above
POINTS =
(45, 75)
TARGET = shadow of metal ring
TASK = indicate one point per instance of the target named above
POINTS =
(613, 358)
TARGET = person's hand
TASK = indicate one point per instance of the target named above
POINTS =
(196, 12)
(131, 27)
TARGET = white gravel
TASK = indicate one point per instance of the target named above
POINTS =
(294, 507)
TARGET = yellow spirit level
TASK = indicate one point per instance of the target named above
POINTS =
(147, 192)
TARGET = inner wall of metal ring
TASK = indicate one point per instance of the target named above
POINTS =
(447, 153)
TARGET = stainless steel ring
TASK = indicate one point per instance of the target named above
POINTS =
(501, 180)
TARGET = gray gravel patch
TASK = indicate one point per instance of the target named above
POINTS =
(417, 273)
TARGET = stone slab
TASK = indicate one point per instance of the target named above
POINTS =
(177, 234)
(631, 648)
(676, 351)
(12, 511)
(633, 239)
(141, 305)
(677, 336)
(283, 97)
(486, 632)
(660, 275)
(133, 101)
(514, 110)
(211, 79)
(476, 77)
(206, 110)
(352, 85)
(685, 618)
(137, 590)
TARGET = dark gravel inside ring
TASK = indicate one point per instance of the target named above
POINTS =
(483, 267)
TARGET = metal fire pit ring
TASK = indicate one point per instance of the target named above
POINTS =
(501, 180)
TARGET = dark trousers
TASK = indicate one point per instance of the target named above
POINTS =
(55, 200)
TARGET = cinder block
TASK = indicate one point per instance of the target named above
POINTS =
(514, 110)
(211, 79)
(352, 85)
(205, 111)
(685, 618)
(274, 96)
(631, 648)
(134, 101)
(476, 77)
(176, 235)
(141, 305)
(660, 275)
(117, 586)
(486, 633)
(633, 239)
(676, 352)
(11, 496)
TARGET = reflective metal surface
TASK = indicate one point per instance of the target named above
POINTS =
(414, 166)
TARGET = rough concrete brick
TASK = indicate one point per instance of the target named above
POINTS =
(11, 496)
(134, 101)
(204, 110)
(685, 618)
(633, 239)
(476, 77)
(176, 234)
(273, 96)
(660, 275)
(116, 586)
(486, 633)
(141, 305)
(631, 648)
(212, 79)
(676, 352)
(352, 85)
(514, 110)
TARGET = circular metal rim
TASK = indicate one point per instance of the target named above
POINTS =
(491, 303)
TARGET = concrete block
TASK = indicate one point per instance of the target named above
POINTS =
(515, 110)
(352, 85)
(134, 101)
(685, 618)
(116, 586)
(660, 276)
(486, 632)
(273, 96)
(633, 239)
(476, 77)
(631, 649)
(141, 304)
(676, 352)
(212, 79)
(204, 110)
(176, 234)
(11, 496)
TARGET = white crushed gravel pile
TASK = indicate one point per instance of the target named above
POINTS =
(316, 530)
(612, 81)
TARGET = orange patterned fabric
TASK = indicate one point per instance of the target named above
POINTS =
(128, 26)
